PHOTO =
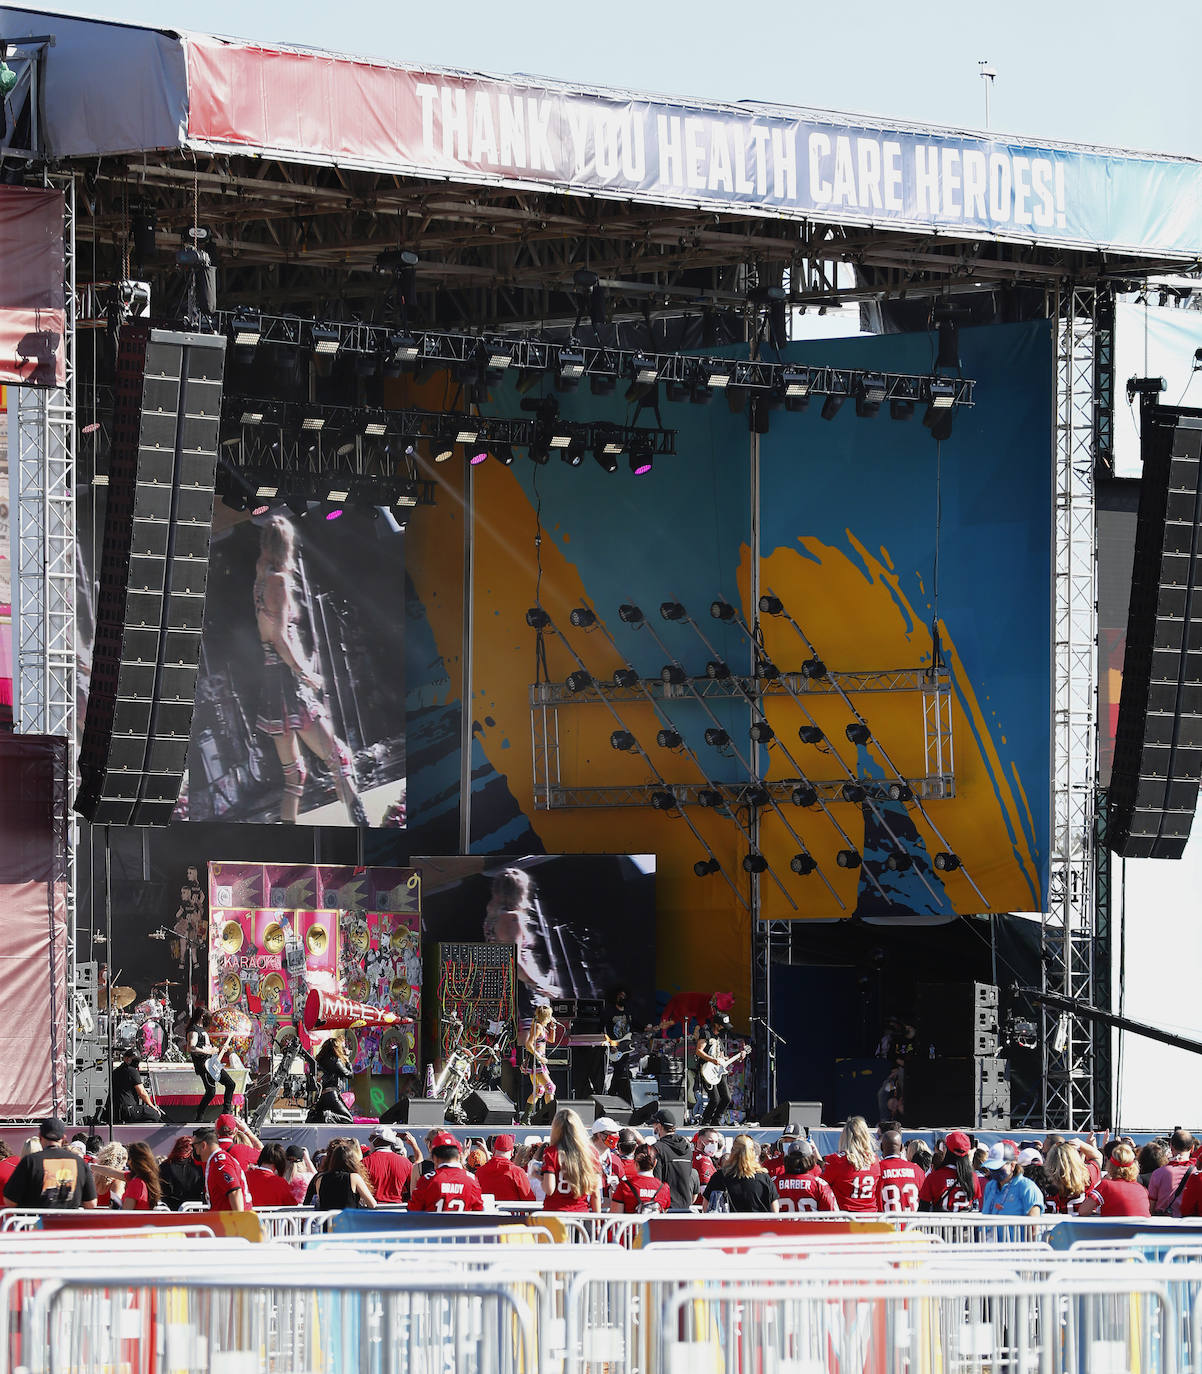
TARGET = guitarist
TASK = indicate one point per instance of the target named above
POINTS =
(200, 1051)
(709, 1048)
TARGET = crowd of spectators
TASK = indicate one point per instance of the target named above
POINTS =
(226, 1167)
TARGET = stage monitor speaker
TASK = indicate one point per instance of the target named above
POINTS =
(794, 1114)
(643, 1113)
(489, 1108)
(581, 1106)
(642, 1091)
(1158, 741)
(153, 574)
(616, 1108)
(417, 1111)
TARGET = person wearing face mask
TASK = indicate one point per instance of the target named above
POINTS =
(708, 1148)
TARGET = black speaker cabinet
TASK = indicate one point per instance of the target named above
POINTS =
(616, 1108)
(487, 1108)
(153, 574)
(794, 1114)
(958, 1018)
(642, 1091)
(417, 1111)
(962, 1091)
(643, 1113)
(583, 1109)
(1158, 742)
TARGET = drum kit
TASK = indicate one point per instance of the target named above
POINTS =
(148, 1026)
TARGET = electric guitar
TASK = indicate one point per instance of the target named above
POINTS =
(214, 1063)
(713, 1074)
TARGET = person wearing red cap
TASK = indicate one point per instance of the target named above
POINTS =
(953, 1187)
(238, 1140)
(450, 1188)
(501, 1178)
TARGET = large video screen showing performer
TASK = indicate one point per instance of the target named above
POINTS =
(300, 703)
(583, 924)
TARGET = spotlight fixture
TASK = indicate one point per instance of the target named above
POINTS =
(767, 670)
(672, 610)
(717, 669)
(804, 795)
(857, 732)
(715, 374)
(498, 355)
(754, 863)
(569, 368)
(373, 424)
(710, 797)
(246, 330)
(722, 610)
(795, 385)
(335, 514)
(314, 420)
(938, 417)
(481, 456)
(583, 617)
(251, 414)
(579, 681)
(444, 451)
(324, 340)
(643, 375)
(642, 454)
(761, 732)
(625, 677)
(704, 867)
(630, 614)
(673, 674)
(870, 392)
(847, 858)
(757, 796)
(607, 462)
(503, 453)
(622, 740)
(716, 737)
(400, 351)
(900, 792)
(467, 432)
(831, 406)
(607, 448)
(814, 669)
(898, 861)
(771, 605)
(663, 801)
(540, 450)
(668, 739)
(946, 862)
(537, 618)
(803, 864)
(810, 734)
(573, 455)
(337, 494)
(852, 792)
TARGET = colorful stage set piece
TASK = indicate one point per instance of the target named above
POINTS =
(338, 930)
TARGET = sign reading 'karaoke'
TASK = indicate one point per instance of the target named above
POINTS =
(725, 157)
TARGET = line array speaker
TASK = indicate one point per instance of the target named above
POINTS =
(489, 1108)
(1158, 743)
(959, 1091)
(153, 573)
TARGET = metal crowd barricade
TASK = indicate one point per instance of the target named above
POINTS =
(293, 1223)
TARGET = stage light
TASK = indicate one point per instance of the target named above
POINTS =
(443, 451)
(621, 740)
(761, 732)
(710, 797)
(477, 458)
(900, 408)
(668, 739)
(852, 792)
(631, 615)
(569, 368)
(757, 796)
(704, 867)
(407, 495)
(831, 406)
(804, 795)
(642, 454)
(767, 670)
(754, 863)
(857, 732)
(625, 677)
(540, 450)
(947, 863)
(246, 330)
(771, 605)
(717, 737)
(948, 333)
(560, 437)
(673, 674)
(400, 350)
(607, 462)
(373, 424)
(715, 375)
(537, 618)
(503, 453)
(573, 455)
(814, 669)
(870, 392)
(898, 861)
(314, 420)
(467, 432)
(266, 490)
(802, 864)
(663, 801)
(722, 610)
(717, 669)
(260, 510)
(582, 617)
(251, 415)
(847, 858)
(810, 734)
(795, 382)
(579, 681)
(335, 514)
(607, 449)
(900, 792)
(643, 374)
(938, 416)
(497, 355)
(676, 390)
(672, 610)
(324, 340)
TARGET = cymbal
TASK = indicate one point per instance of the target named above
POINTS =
(167, 983)
(119, 997)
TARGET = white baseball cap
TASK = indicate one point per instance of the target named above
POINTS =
(605, 1125)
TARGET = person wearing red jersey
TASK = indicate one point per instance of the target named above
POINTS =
(775, 1162)
(643, 1192)
(1118, 1194)
(571, 1172)
(450, 1188)
(801, 1188)
(226, 1189)
(953, 1187)
(265, 1179)
(238, 1140)
(708, 1148)
(8, 1162)
(388, 1166)
(605, 1135)
(629, 1141)
(501, 1178)
(854, 1173)
(1068, 1179)
(901, 1181)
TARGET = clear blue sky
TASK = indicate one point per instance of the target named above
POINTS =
(1099, 73)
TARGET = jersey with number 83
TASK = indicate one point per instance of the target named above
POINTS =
(900, 1185)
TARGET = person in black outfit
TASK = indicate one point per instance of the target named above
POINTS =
(747, 1185)
(200, 1048)
(335, 1070)
(129, 1092)
(674, 1161)
(181, 1177)
(709, 1049)
(341, 1181)
(53, 1176)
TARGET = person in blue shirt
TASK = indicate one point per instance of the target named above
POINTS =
(1007, 1192)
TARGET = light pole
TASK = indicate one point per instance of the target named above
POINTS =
(989, 76)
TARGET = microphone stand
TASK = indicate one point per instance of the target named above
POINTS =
(774, 1039)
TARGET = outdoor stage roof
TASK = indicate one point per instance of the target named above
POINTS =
(486, 168)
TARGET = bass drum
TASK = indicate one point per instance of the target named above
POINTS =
(125, 1033)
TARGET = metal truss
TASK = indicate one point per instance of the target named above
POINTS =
(1070, 955)
(937, 685)
(552, 795)
(938, 738)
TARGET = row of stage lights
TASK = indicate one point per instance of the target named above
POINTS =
(753, 795)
